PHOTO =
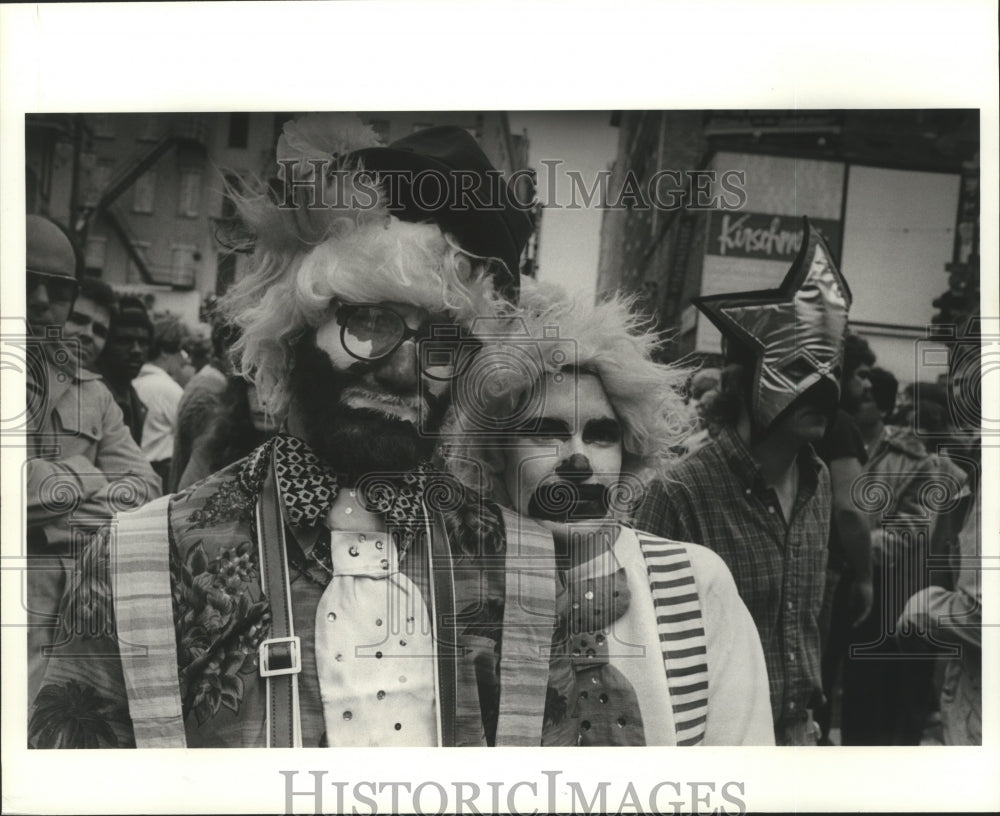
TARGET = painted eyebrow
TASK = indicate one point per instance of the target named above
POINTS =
(552, 426)
(603, 428)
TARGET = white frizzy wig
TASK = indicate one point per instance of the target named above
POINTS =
(607, 339)
(307, 257)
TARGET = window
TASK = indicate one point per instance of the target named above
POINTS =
(189, 193)
(239, 129)
(422, 126)
(182, 265)
(95, 254)
(899, 232)
(144, 192)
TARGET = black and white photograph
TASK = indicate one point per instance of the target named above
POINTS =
(476, 420)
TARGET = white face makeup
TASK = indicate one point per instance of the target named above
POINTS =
(578, 442)
(393, 384)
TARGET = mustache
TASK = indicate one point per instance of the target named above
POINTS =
(389, 404)
(562, 501)
(375, 432)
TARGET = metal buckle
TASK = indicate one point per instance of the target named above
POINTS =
(294, 661)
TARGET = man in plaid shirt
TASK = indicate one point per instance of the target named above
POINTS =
(757, 494)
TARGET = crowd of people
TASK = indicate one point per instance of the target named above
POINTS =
(406, 497)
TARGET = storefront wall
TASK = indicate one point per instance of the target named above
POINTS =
(892, 229)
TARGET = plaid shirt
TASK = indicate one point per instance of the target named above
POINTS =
(716, 497)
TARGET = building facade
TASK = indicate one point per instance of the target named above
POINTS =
(145, 193)
(711, 201)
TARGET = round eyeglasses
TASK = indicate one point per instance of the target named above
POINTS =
(371, 332)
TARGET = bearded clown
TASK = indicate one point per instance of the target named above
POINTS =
(577, 419)
(331, 589)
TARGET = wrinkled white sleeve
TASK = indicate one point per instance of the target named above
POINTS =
(739, 701)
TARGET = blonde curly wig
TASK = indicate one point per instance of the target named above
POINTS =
(607, 339)
(307, 257)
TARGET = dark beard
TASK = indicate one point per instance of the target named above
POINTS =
(355, 441)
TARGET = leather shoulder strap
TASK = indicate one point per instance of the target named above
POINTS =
(444, 621)
(280, 661)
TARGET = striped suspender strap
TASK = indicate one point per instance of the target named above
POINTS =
(529, 620)
(280, 658)
(144, 618)
(682, 635)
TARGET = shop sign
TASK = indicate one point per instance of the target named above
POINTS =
(764, 236)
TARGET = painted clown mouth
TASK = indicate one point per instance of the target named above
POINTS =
(563, 501)
(393, 406)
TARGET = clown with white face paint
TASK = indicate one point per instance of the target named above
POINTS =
(576, 445)
(331, 589)
(661, 648)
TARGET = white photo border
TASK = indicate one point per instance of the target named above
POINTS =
(494, 56)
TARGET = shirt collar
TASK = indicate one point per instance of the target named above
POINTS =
(737, 456)
(152, 370)
(308, 486)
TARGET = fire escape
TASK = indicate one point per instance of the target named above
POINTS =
(187, 136)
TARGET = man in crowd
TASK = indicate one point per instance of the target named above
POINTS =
(51, 279)
(757, 494)
(199, 347)
(316, 586)
(951, 614)
(159, 389)
(953, 617)
(89, 320)
(82, 464)
(888, 684)
(124, 355)
(663, 650)
(200, 400)
(847, 597)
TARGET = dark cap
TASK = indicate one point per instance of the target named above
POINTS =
(441, 174)
(131, 312)
(49, 250)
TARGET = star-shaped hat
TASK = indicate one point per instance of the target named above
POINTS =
(795, 332)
